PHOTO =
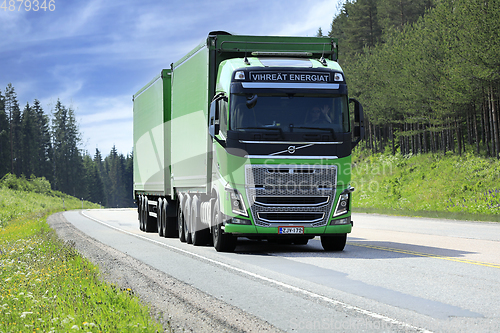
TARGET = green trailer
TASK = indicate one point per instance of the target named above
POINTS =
(247, 136)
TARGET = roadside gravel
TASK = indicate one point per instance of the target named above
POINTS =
(178, 306)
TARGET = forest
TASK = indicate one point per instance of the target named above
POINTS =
(34, 145)
(426, 71)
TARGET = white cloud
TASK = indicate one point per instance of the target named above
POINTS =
(105, 135)
(98, 110)
(88, 54)
(105, 122)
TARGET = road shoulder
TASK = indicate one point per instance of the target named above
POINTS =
(172, 302)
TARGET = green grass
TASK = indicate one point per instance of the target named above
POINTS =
(45, 285)
(427, 185)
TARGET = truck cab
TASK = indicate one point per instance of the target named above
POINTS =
(282, 148)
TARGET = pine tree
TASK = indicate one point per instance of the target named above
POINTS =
(129, 180)
(93, 183)
(4, 139)
(116, 191)
(396, 14)
(362, 28)
(103, 175)
(14, 113)
(68, 164)
(30, 137)
(44, 145)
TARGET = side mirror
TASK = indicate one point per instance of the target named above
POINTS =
(213, 122)
(359, 123)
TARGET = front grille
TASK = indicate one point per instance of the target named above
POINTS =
(291, 217)
(293, 194)
(291, 200)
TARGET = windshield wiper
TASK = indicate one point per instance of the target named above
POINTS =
(317, 128)
(265, 128)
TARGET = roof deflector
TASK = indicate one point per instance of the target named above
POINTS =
(217, 33)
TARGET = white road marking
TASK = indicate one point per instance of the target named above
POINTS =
(278, 283)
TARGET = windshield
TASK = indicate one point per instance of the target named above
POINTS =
(289, 112)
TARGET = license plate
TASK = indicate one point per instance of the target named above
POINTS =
(291, 230)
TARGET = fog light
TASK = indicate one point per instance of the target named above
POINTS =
(346, 220)
(235, 220)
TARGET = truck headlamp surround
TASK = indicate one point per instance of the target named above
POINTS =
(237, 203)
(343, 202)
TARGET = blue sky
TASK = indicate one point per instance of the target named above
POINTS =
(94, 55)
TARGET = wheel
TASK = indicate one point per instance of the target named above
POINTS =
(187, 220)
(199, 233)
(139, 210)
(180, 223)
(333, 242)
(144, 213)
(159, 217)
(222, 242)
(150, 222)
(169, 222)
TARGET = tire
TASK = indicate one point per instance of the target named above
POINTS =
(199, 233)
(159, 217)
(180, 223)
(187, 220)
(140, 209)
(170, 223)
(222, 242)
(150, 222)
(333, 242)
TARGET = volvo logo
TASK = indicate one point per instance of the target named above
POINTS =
(291, 149)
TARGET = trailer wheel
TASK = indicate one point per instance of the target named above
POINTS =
(139, 202)
(162, 212)
(199, 233)
(180, 223)
(144, 213)
(159, 217)
(187, 220)
(170, 222)
(222, 242)
(140, 209)
(333, 242)
(150, 222)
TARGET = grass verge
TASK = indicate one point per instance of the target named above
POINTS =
(427, 185)
(45, 285)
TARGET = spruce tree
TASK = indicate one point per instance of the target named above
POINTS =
(68, 164)
(44, 145)
(29, 141)
(4, 139)
(14, 114)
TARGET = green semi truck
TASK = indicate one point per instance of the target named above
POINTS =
(247, 136)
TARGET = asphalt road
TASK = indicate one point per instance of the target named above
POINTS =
(396, 274)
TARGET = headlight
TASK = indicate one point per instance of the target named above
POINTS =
(343, 202)
(237, 203)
